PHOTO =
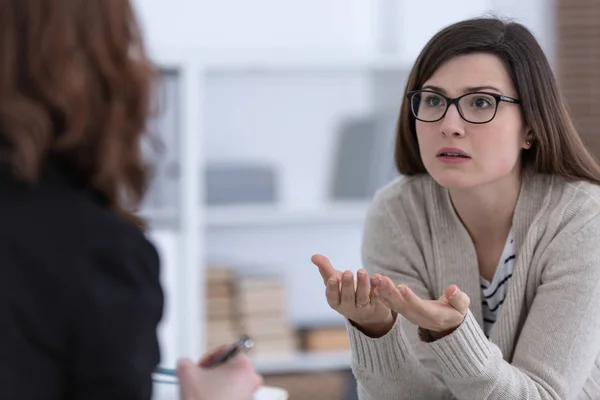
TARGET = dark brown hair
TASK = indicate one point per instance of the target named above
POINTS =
(557, 147)
(75, 86)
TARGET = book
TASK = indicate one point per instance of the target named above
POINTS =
(325, 339)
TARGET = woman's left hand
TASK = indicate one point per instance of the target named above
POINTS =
(440, 317)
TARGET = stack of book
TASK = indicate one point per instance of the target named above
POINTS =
(325, 339)
(220, 307)
(261, 312)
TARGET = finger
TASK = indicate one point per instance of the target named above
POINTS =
(241, 361)
(391, 294)
(375, 280)
(414, 303)
(410, 297)
(332, 292)
(347, 296)
(184, 365)
(208, 358)
(325, 268)
(376, 295)
(458, 299)
(186, 377)
(258, 381)
(362, 288)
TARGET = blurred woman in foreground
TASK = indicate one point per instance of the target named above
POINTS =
(80, 297)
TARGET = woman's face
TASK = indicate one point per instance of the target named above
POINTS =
(461, 154)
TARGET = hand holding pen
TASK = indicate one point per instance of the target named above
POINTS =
(224, 374)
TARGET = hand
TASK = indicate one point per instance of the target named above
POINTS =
(440, 317)
(354, 299)
(234, 380)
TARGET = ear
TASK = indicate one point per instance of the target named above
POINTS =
(529, 138)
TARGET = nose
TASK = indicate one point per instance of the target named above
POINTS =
(452, 123)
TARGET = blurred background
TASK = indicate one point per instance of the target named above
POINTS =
(276, 126)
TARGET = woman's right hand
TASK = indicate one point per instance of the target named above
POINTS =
(355, 300)
(236, 379)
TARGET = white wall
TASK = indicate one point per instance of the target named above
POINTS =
(537, 15)
(287, 27)
(420, 23)
(321, 27)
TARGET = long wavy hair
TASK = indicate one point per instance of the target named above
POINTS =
(76, 86)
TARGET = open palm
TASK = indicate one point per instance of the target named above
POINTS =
(354, 299)
(442, 315)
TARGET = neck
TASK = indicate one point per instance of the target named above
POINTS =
(487, 211)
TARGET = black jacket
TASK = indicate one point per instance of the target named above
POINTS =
(80, 297)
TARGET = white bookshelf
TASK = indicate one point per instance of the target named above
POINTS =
(190, 225)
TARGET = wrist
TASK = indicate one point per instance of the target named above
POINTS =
(429, 336)
(376, 329)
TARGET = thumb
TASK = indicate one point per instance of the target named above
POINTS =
(185, 366)
(458, 299)
(189, 376)
(186, 375)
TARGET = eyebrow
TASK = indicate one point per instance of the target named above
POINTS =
(465, 90)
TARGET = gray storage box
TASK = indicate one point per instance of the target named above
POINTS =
(240, 184)
(365, 157)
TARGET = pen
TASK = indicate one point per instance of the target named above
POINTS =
(244, 344)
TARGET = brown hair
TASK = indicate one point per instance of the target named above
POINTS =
(75, 86)
(557, 147)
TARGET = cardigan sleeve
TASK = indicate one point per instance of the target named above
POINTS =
(397, 365)
(559, 343)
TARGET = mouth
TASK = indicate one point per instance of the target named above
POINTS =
(457, 155)
(452, 153)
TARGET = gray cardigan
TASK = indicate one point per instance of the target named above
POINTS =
(546, 341)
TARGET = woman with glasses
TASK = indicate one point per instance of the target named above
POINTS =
(484, 258)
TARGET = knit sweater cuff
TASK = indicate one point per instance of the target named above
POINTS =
(464, 353)
(382, 355)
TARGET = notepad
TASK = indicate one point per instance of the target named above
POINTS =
(270, 393)
(166, 388)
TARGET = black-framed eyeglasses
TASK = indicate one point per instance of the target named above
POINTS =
(475, 107)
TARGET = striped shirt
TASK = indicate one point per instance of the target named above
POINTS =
(494, 293)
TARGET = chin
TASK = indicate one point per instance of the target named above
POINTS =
(455, 178)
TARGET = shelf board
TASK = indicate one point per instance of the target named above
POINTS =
(270, 215)
(250, 216)
(302, 362)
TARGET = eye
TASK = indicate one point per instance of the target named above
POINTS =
(432, 100)
(482, 102)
